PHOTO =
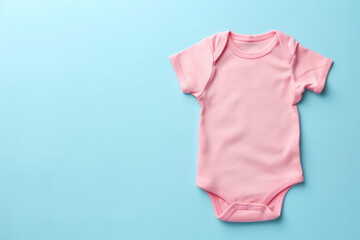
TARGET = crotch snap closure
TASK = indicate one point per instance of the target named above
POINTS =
(250, 206)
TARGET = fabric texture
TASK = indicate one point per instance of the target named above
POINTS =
(248, 87)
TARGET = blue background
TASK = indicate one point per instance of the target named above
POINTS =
(97, 141)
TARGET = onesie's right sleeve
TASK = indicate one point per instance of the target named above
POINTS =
(193, 67)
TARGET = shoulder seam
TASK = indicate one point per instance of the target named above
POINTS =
(221, 46)
(290, 59)
(285, 47)
(216, 53)
(212, 69)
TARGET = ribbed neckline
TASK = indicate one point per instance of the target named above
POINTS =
(252, 38)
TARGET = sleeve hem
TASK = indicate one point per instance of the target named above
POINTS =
(179, 73)
(323, 76)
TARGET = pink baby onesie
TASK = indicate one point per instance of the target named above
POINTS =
(248, 87)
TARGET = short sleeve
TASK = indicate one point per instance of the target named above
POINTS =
(310, 69)
(193, 66)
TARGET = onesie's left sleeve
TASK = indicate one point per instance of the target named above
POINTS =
(310, 69)
(193, 66)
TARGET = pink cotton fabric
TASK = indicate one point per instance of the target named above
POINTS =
(248, 87)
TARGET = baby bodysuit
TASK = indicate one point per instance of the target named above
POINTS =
(248, 87)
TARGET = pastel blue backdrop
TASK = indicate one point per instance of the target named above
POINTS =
(97, 141)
